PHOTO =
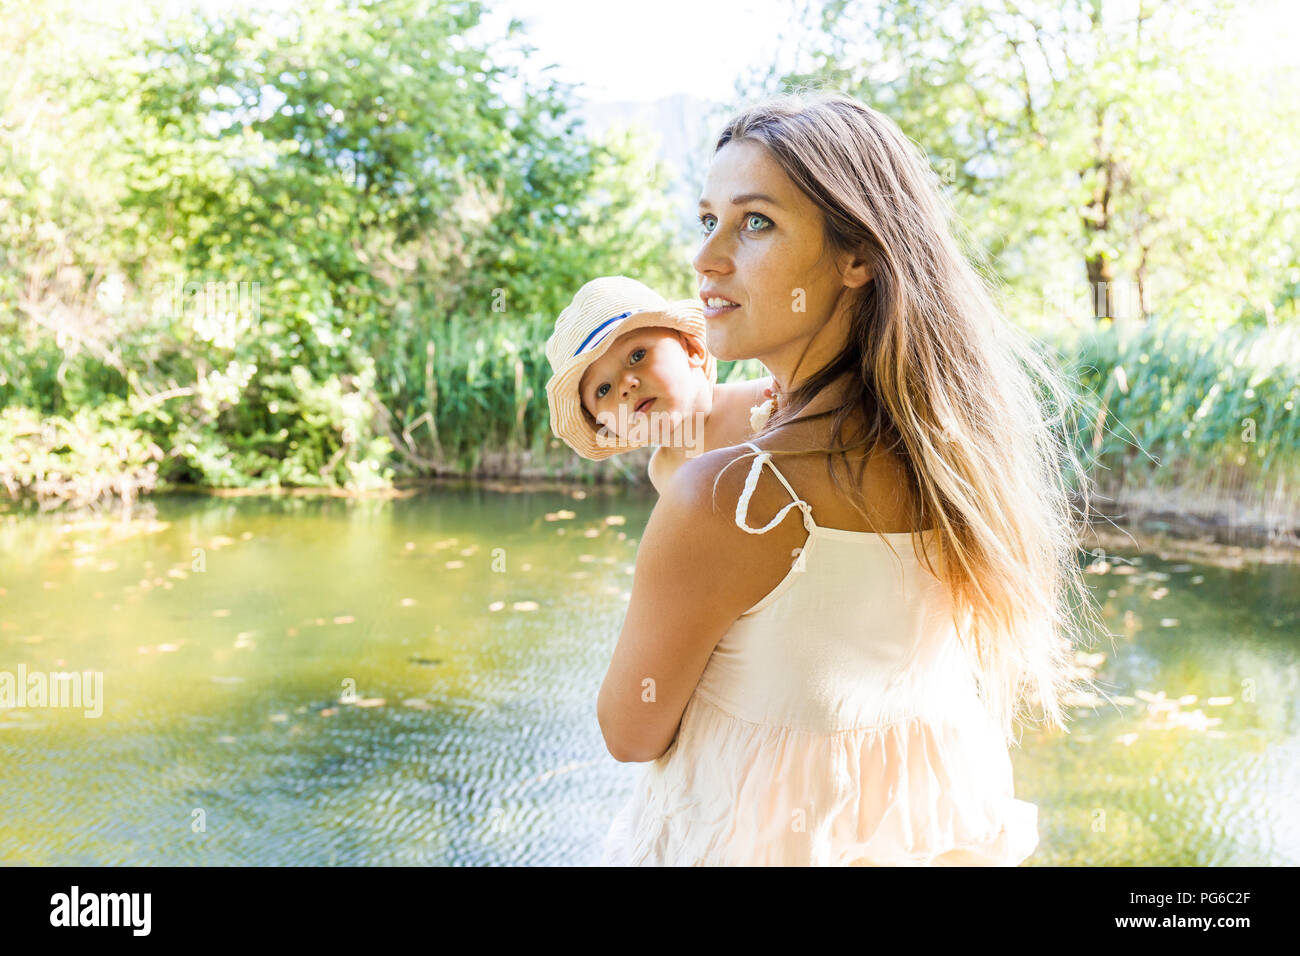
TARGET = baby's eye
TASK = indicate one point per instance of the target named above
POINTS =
(603, 389)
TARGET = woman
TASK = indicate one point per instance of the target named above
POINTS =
(842, 689)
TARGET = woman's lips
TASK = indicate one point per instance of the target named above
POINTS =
(712, 313)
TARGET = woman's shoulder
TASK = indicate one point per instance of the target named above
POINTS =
(695, 519)
(868, 488)
(720, 469)
(713, 487)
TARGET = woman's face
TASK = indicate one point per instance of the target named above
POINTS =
(652, 362)
(764, 248)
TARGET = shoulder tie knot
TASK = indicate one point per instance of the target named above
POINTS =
(751, 482)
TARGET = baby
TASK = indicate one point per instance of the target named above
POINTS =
(631, 369)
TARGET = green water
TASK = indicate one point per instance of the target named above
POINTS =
(323, 681)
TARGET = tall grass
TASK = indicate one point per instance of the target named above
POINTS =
(1201, 418)
(1206, 417)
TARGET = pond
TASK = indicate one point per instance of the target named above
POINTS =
(327, 681)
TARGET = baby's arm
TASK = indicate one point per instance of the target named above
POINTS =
(663, 465)
(667, 459)
(741, 397)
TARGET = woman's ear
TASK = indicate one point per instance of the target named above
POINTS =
(855, 270)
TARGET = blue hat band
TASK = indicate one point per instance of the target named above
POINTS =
(594, 332)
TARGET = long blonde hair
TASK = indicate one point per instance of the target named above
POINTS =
(961, 395)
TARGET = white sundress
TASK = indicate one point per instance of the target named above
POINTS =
(836, 724)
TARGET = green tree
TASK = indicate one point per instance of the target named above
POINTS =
(1104, 148)
(289, 241)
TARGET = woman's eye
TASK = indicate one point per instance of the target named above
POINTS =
(707, 222)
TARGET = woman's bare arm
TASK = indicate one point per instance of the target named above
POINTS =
(696, 573)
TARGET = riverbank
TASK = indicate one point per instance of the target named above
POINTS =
(1173, 523)
(1217, 514)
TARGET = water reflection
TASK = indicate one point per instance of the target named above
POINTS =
(1191, 759)
(324, 681)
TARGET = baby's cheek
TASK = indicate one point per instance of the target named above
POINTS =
(609, 423)
(685, 392)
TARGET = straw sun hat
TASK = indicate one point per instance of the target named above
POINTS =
(604, 309)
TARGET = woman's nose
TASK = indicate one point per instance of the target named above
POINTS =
(711, 258)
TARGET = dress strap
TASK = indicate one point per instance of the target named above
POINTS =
(751, 482)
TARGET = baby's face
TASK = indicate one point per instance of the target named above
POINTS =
(648, 363)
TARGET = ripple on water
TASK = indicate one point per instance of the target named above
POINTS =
(485, 749)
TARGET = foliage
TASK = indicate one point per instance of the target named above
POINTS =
(325, 246)
(92, 455)
(1121, 159)
(1163, 404)
(277, 240)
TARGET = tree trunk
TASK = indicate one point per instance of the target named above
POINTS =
(1100, 279)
